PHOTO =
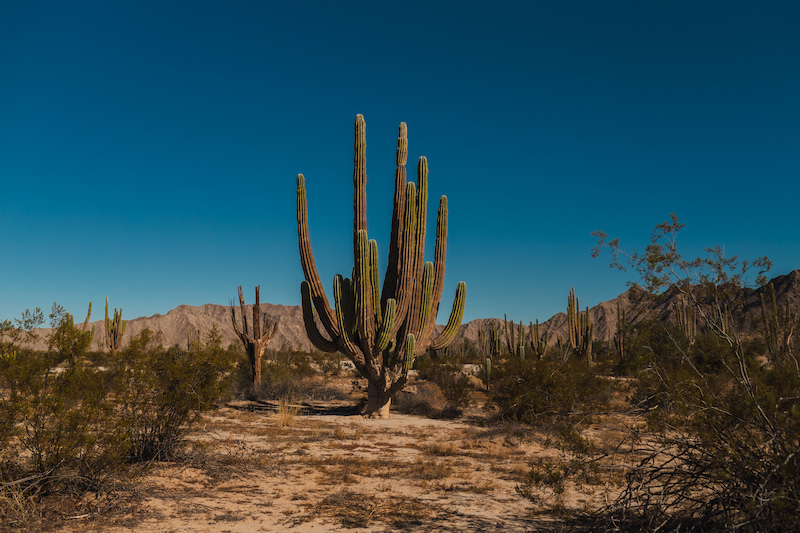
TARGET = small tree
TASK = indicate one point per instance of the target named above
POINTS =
(67, 339)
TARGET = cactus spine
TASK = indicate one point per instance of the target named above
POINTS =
(382, 331)
(255, 338)
(580, 327)
(115, 329)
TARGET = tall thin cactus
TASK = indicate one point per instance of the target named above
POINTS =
(115, 329)
(382, 331)
(686, 317)
(580, 327)
(623, 331)
(254, 336)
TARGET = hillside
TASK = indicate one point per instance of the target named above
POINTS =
(178, 324)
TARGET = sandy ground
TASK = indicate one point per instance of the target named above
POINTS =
(253, 467)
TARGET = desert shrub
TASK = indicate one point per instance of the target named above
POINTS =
(723, 456)
(160, 392)
(52, 411)
(286, 373)
(425, 398)
(447, 372)
(548, 478)
(546, 391)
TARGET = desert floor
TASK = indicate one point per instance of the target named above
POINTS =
(261, 466)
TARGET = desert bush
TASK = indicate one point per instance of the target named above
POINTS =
(160, 392)
(52, 412)
(447, 372)
(723, 455)
(426, 399)
(289, 373)
(547, 391)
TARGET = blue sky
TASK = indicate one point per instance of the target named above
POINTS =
(149, 150)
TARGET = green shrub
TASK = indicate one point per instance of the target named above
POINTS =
(160, 392)
(546, 391)
(53, 411)
(447, 372)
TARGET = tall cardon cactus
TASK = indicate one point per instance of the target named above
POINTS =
(382, 330)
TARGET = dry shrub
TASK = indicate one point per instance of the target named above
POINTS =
(427, 401)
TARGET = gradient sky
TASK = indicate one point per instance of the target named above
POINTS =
(149, 150)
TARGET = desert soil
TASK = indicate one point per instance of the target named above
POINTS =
(253, 467)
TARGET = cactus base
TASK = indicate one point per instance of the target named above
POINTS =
(378, 403)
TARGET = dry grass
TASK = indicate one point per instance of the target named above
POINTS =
(287, 412)
(356, 510)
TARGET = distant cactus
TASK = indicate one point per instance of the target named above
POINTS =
(580, 328)
(621, 337)
(382, 331)
(538, 342)
(779, 324)
(115, 329)
(686, 316)
(254, 338)
(489, 343)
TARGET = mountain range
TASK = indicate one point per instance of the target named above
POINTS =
(179, 324)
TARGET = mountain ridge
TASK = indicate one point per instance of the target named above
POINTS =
(178, 324)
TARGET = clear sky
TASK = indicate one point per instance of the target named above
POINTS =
(149, 150)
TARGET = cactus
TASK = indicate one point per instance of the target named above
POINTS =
(381, 331)
(515, 339)
(621, 337)
(686, 316)
(538, 342)
(489, 343)
(580, 328)
(779, 324)
(253, 340)
(488, 372)
(115, 329)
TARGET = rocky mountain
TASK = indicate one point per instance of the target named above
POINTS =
(184, 321)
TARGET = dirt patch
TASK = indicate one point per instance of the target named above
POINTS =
(248, 470)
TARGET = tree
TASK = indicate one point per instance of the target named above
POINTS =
(720, 452)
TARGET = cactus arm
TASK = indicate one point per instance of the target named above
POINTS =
(326, 314)
(405, 286)
(409, 354)
(245, 327)
(385, 331)
(375, 289)
(359, 181)
(440, 258)
(425, 311)
(395, 264)
(343, 298)
(363, 286)
(316, 338)
(456, 315)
